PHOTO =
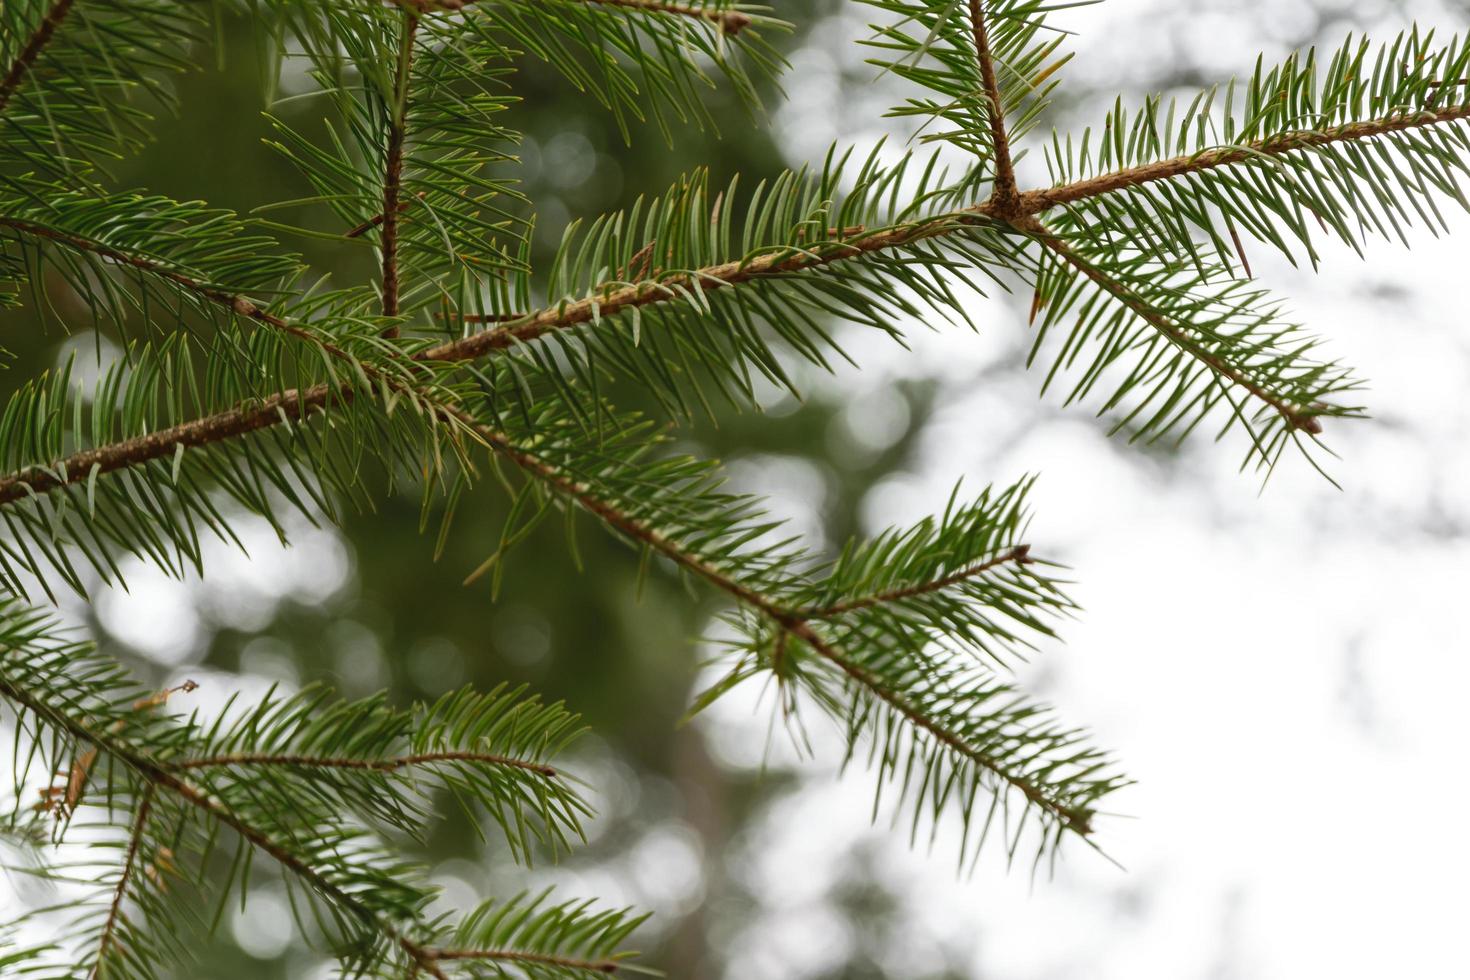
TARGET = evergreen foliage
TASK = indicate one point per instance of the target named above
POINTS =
(250, 386)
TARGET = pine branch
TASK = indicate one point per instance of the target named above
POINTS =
(209, 291)
(285, 407)
(730, 22)
(1303, 417)
(1073, 818)
(145, 806)
(376, 765)
(1038, 201)
(160, 779)
(1020, 554)
(612, 299)
(1004, 199)
(534, 959)
(393, 171)
(27, 57)
(787, 620)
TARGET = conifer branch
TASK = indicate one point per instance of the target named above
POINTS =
(377, 765)
(1076, 819)
(285, 407)
(1004, 196)
(1035, 202)
(239, 304)
(28, 55)
(393, 171)
(729, 22)
(786, 620)
(533, 959)
(145, 806)
(159, 777)
(1303, 417)
(292, 405)
(1020, 554)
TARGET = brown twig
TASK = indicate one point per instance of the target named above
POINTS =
(145, 805)
(393, 173)
(1003, 196)
(1020, 554)
(729, 22)
(538, 959)
(32, 50)
(377, 765)
(1297, 416)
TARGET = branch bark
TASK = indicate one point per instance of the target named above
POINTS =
(729, 22)
(32, 50)
(1003, 195)
(376, 765)
(393, 172)
(1301, 417)
(145, 806)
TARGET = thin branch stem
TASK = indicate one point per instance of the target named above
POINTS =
(1301, 417)
(1077, 819)
(145, 806)
(1004, 195)
(1037, 201)
(393, 171)
(1020, 554)
(538, 959)
(284, 407)
(32, 50)
(729, 22)
(377, 765)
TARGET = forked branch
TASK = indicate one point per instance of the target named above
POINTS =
(293, 405)
(160, 779)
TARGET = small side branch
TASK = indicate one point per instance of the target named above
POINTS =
(1020, 554)
(1004, 196)
(32, 50)
(109, 928)
(1074, 818)
(536, 959)
(393, 172)
(787, 620)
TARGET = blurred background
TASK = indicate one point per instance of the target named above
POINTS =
(1282, 669)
